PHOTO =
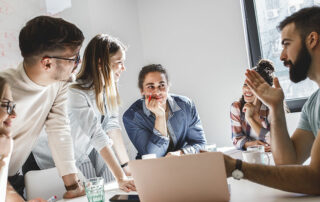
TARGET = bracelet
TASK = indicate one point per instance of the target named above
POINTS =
(73, 186)
(124, 165)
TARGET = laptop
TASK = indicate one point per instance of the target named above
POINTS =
(196, 177)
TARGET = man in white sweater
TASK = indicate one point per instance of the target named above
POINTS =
(50, 49)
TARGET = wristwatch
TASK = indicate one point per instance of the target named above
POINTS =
(124, 165)
(73, 186)
(237, 173)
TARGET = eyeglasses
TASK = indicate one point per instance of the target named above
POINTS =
(10, 106)
(76, 60)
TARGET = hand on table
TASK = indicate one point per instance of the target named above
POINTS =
(79, 191)
(127, 185)
(271, 96)
(175, 153)
(267, 147)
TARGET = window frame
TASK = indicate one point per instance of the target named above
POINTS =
(254, 47)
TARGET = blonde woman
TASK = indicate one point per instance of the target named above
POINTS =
(93, 111)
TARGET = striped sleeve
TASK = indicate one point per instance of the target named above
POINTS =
(239, 138)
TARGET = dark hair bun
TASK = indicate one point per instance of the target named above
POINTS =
(265, 65)
(265, 69)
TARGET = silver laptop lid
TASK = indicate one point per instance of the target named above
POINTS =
(197, 177)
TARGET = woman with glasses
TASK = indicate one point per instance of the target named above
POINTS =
(7, 114)
(249, 116)
(161, 123)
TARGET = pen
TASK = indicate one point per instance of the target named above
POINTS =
(52, 199)
(149, 98)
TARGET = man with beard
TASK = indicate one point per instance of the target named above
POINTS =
(300, 35)
(50, 50)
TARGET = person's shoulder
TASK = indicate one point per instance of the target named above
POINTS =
(181, 99)
(313, 98)
(314, 95)
(74, 92)
(236, 104)
(9, 74)
(135, 107)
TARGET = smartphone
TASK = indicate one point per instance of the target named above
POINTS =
(125, 197)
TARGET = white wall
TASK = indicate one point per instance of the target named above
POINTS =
(201, 43)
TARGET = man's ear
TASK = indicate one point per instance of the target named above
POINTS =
(312, 40)
(46, 63)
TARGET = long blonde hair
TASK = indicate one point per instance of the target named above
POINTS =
(97, 54)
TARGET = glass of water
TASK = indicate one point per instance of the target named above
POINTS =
(95, 189)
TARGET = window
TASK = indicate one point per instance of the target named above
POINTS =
(264, 41)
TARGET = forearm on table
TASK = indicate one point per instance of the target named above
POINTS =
(281, 145)
(110, 159)
(292, 178)
(118, 145)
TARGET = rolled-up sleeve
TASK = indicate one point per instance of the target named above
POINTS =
(113, 122)
(145, 140)
(82, 114)
(195, 135)
(58, 130)
(238, 137)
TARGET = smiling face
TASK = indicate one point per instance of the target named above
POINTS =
(117, 64)
(5, 118)
(247, 94)
(156, 85)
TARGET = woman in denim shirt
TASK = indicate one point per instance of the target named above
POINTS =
(161, 123)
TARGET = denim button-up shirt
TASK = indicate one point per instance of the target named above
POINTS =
(183, 124)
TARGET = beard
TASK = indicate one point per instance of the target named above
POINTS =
(299, 70)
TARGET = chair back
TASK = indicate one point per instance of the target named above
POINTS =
(44, 183)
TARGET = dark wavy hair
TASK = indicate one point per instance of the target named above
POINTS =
(44, 33)
(265, 69)
(151, 68)
(306, 21)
